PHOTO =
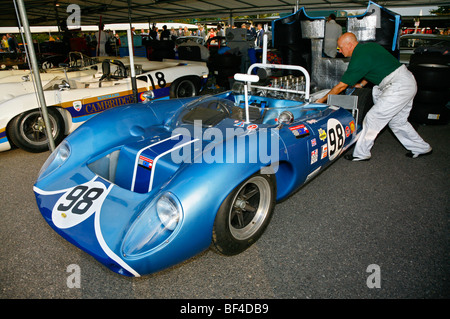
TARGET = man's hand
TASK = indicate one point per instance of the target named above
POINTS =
(322, 99)
(362, 84)
(341, 86)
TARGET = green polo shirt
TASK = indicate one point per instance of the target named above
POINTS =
(369, 61)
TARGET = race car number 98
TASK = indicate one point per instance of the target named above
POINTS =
(78, 203)
(80, 199)
(336, 138)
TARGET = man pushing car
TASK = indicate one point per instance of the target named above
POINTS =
(393, 94)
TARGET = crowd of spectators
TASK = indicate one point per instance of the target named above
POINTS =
(9, 43)
(158, 43)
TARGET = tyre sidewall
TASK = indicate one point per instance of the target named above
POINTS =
(223, 240)
(431, 76)
(15, 136)
(432, 97)
(174, 87)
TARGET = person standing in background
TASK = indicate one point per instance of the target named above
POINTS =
(259, 35)
(5, 45)
(332, 33)
(165, 34)
(101, 37)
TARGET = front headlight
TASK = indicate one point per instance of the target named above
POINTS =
(167, 211)
(155, 224)
(55, 160)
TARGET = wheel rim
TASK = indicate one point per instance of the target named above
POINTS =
(32, 128)
(186, 89)
(249, 208)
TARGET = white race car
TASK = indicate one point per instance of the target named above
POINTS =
(71, 100)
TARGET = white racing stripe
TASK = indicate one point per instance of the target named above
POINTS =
(139, 153)
(162, 154)
(105, 247)
(98, 232)
(156, 159)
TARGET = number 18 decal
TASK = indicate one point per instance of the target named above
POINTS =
(78, 203)
(336, 138)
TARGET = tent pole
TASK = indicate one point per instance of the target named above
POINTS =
(132, 69)
(37, 77)
(131, 54)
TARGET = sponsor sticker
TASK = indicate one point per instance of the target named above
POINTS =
(433, 116)
(324, 151)
(77, 105)
(109, 96)
(145, 162)
(347, 131)
(314, 156)
(352, 127)
(299, 131)
(322, 134)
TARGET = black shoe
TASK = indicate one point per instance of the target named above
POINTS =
(412, 155)
(350, 157)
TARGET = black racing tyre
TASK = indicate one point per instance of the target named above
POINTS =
(426, 58)
(184, 87)
(27, 130)
(431, 76)
(432, 97)
(244, 214)
(429, 114)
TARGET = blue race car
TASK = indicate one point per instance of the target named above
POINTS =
(145, 186)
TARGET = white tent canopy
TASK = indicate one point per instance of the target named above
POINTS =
(113, 26)
(49, 12)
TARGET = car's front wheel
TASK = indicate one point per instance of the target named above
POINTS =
(27, 130)
(244, 214)
(184, 87)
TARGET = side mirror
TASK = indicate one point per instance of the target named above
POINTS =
(64, 86)
(285, 118)
(148, 96)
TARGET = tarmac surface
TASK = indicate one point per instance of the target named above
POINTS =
(355, 225)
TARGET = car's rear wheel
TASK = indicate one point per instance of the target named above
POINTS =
(244, 214)
(184, 87)
(27, 130)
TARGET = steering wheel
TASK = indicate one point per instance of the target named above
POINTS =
(106, 70)
(218, 105)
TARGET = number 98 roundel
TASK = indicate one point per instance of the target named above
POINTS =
(78, 203)
(336, 138)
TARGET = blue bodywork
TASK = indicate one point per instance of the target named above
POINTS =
(101, 188)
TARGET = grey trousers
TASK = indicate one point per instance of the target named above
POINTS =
(393, 99)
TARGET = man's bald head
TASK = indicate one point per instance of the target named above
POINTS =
(347, 43)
